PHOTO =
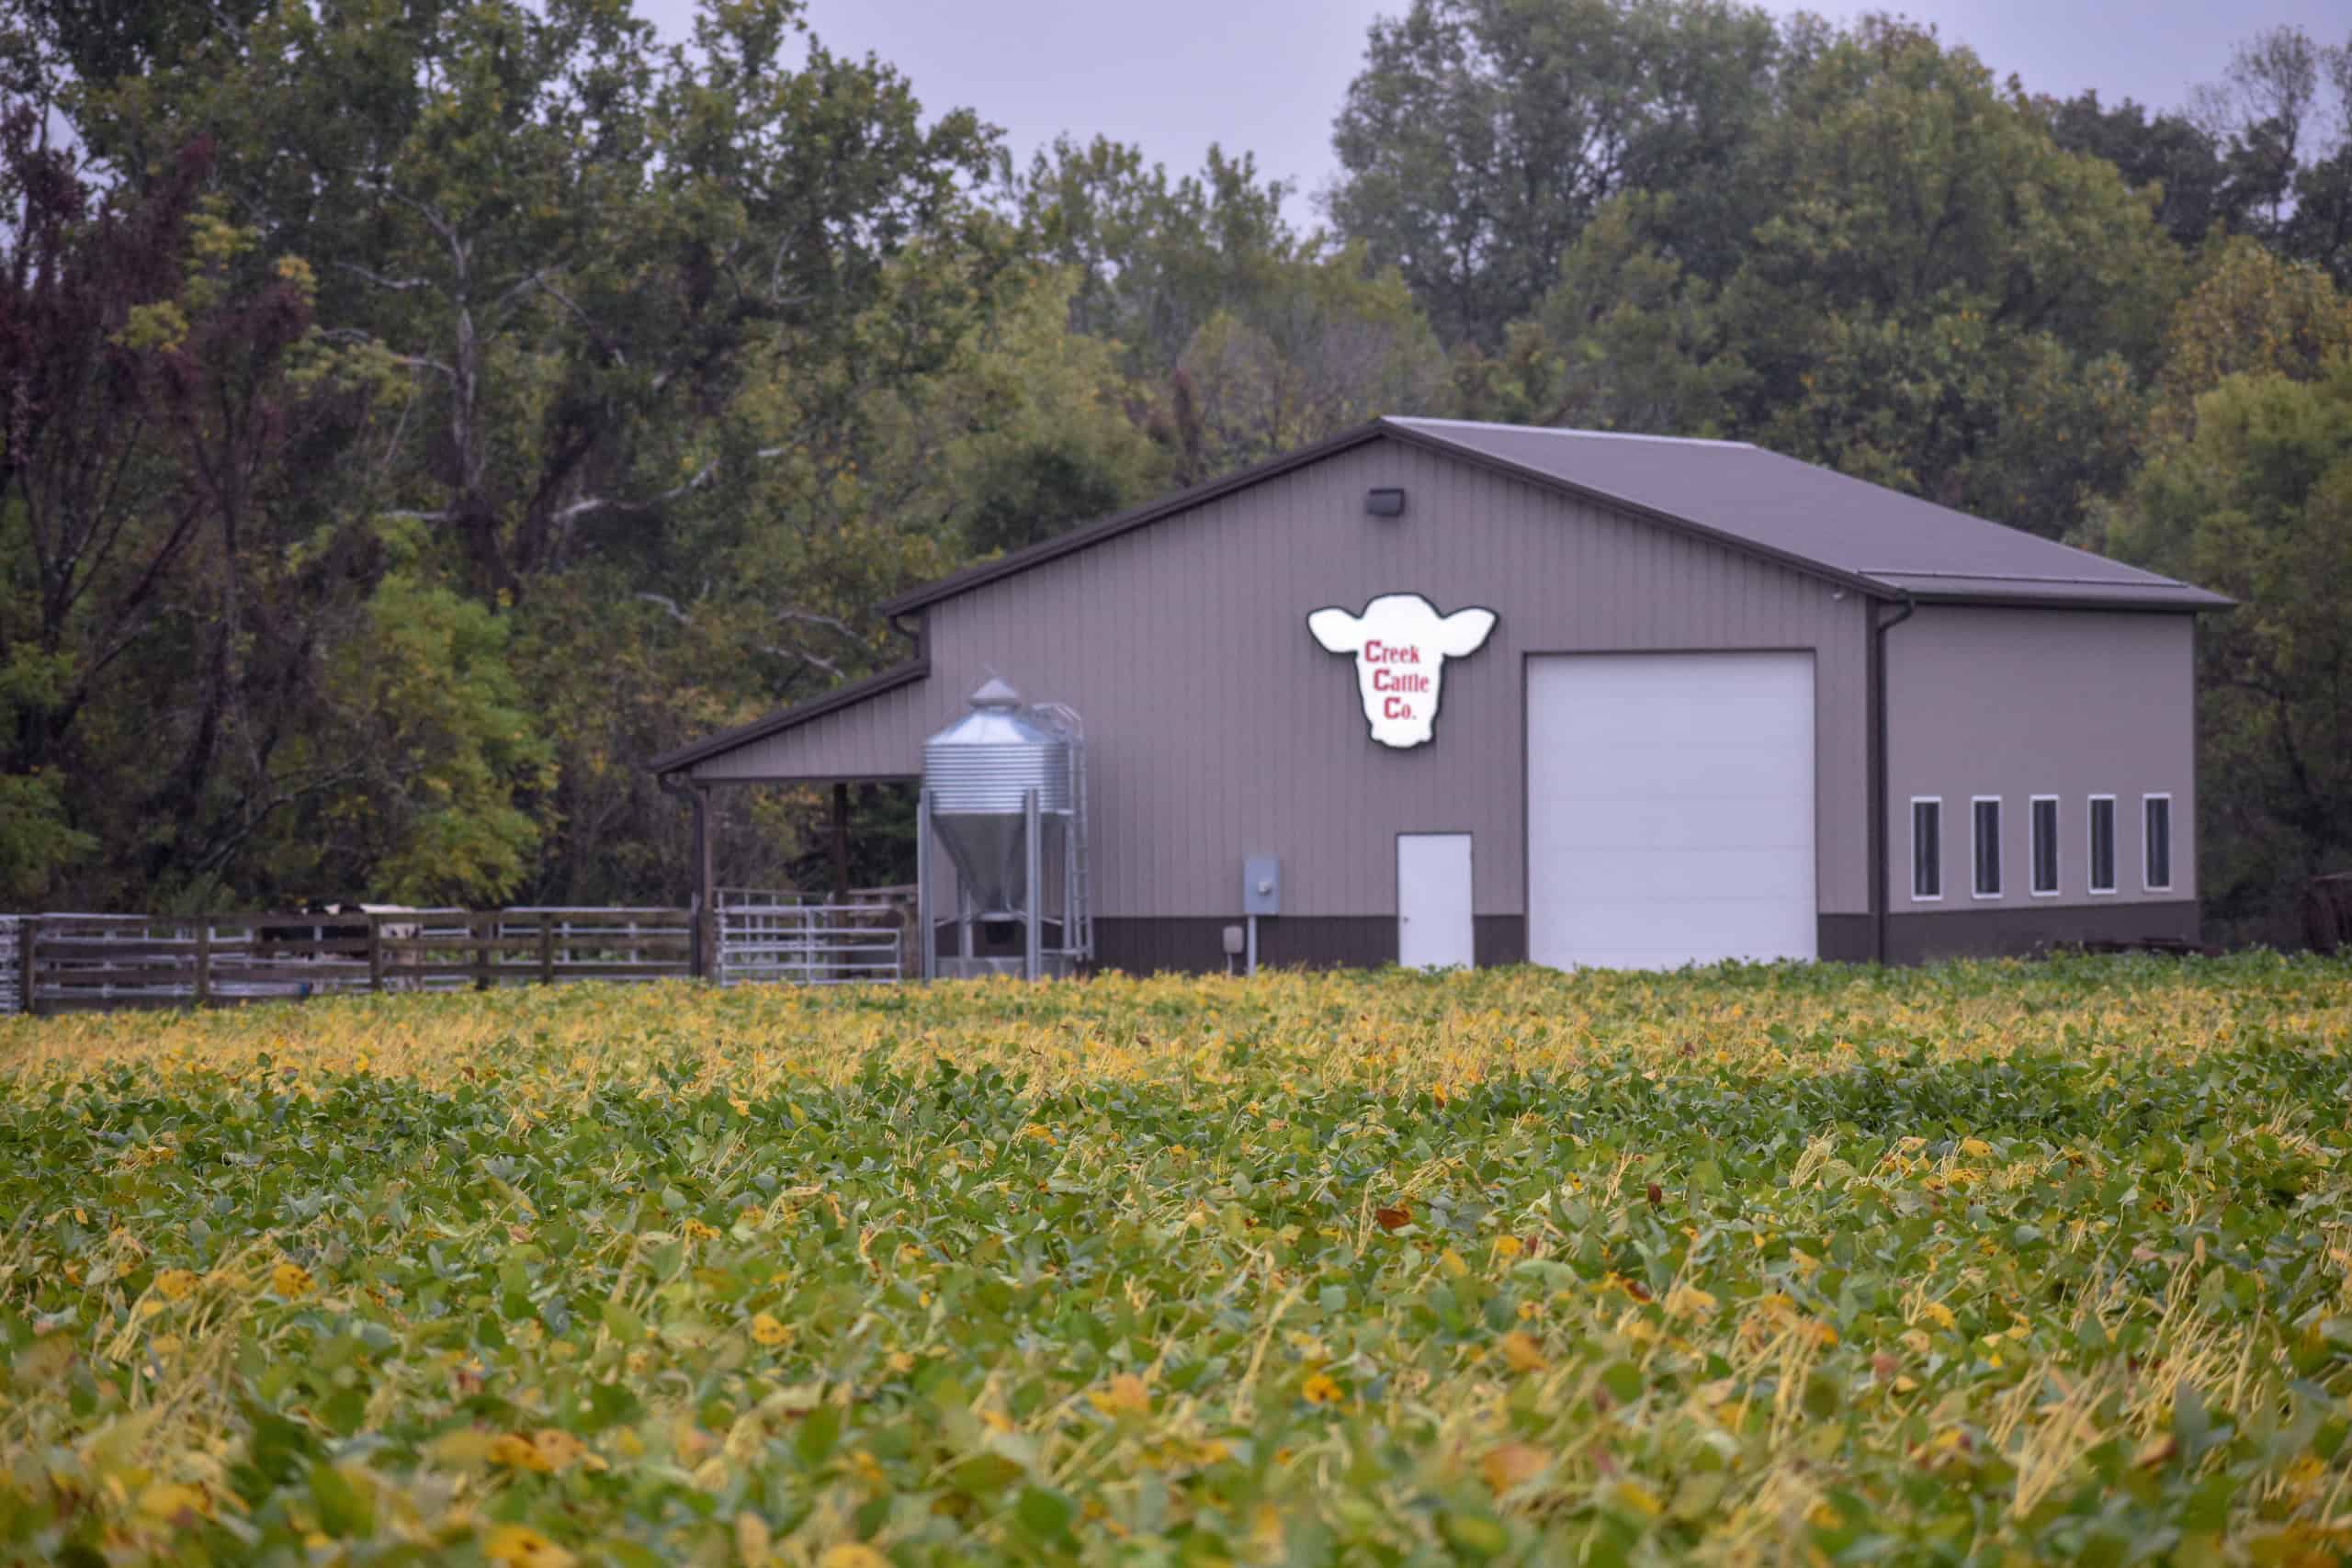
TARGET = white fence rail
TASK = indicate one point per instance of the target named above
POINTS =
(810, 944)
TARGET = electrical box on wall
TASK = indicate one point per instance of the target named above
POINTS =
(1261, 885)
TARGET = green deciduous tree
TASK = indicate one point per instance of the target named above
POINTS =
(1155, 255)
(1327, 343)
(2255, 502)
(2247, 487)
(2282, 112)
(1934, 265)
(38, 839)
(578, 243)
(1032, 429)
(175, 549)
(2167, 154)
(1241, 337)
(634, 317)
(1934, 296)
(1482, 136)
(436, 755)
(2250, 314)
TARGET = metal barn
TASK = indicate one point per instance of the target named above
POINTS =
(1473, 694)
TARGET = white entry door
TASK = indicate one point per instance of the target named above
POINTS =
(1433, 900)
(1670, 808)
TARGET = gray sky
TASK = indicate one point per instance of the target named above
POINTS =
(1266, 75)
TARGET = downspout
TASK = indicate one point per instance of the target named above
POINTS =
(1876, 679)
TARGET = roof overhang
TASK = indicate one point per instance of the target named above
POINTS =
(834, 701)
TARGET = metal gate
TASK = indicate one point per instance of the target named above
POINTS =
(780, 938)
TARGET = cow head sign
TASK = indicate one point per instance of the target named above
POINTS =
(1401, 644)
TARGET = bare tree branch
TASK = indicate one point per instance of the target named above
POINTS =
(813, 618)
(827, 665)
(668, 605)
(603, 340)
(407, 361)
(380, 281)
(587, 505)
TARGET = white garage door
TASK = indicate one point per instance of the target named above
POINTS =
(1670, 808)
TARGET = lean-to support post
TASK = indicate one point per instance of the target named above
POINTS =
(841, 843)
(706, 888)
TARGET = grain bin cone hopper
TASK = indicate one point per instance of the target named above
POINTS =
(1004, 794)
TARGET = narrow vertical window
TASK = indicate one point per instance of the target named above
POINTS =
(2155, 823)
(2102, 843)
(1985, 832)
(1926, 848)
(2044, 853)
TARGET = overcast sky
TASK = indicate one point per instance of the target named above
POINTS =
(1266, 75)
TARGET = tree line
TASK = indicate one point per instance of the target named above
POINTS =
(419, 412)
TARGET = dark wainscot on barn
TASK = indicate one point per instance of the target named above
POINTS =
(1484, 693)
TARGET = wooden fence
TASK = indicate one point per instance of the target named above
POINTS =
(12, 964)
(76, 962)
(72, 962)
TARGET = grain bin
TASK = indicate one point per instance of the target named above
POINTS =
(1004, 792)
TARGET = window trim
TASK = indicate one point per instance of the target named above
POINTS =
(1975, 848)
(1938, 802)
(2057, 851)
(2166, 885)
(2090, 846)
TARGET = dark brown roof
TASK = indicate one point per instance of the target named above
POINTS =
(840, 697)
(1805, 513)
(1810, 518)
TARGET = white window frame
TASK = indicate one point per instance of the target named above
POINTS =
(2000, 862)
(1938, 802)
(2057, 851)
(2166, 885)
(2090, 846)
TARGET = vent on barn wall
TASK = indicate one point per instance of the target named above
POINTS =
(1004, 794)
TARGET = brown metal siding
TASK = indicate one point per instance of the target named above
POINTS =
(879, 738)
(1196, 944)
(2018, 703)
(1217, 729)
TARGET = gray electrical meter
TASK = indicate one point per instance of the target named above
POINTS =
(1261, 885)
